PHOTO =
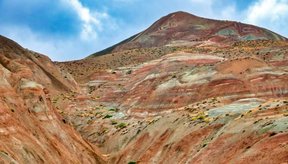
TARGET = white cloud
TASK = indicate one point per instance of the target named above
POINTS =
(100, 30)
(90, 39)
(271, 14)
(57, 49)
(91, 21)
(267, 10)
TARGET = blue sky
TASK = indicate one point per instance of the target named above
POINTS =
(73, 29)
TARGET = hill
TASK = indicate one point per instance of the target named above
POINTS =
(186, 90)
(31, 130)
(181, 28)
(167, 35)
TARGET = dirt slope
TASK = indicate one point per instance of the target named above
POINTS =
(168, 35)
(31, 131)
(181, 28)
(186, 90)
(214, 105)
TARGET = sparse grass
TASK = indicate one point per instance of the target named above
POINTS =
(122, 125)
(201, 117)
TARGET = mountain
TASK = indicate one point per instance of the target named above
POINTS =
(208, 105)
(176, 30)
(31, 130)
(181, 28)
(223, 105)
(186, 90)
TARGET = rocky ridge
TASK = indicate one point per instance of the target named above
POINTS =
(31, 130)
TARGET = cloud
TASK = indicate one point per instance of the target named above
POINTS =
(91, 21)
(272, 14)
(73, 29)
(61, 29)
(56, 49)
(268, 10)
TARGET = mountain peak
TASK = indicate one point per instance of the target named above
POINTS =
(187, 29)
(179, 16)
(181, 13)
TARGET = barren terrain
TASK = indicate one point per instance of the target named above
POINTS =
(186, 90)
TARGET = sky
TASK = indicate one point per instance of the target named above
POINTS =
(73, 29)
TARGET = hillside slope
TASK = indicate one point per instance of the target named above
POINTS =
(186, 90)
(181, 28)
(167, 35)
(217, 105)
(31, 130)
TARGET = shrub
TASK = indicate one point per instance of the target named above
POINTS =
(201, 117)
(113, 122)
(129, 72)
(122, 125)
(113, 109)
(132, 162)
(108, 116)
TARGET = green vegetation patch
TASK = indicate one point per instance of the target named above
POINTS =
(132, 162)
(201, 117)
(108, 116)
(122, 125)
